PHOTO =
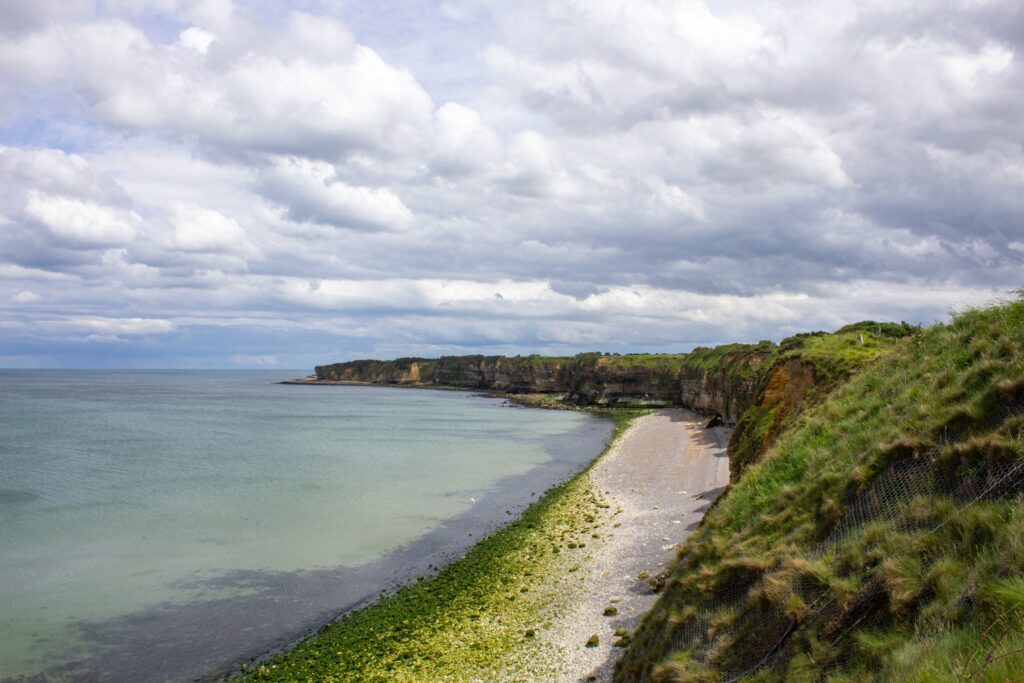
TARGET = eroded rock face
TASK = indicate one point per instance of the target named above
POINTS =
(529, 374)
(727, 389)
(606, 380)
(789, 386)
(589, 379)
(400, 371)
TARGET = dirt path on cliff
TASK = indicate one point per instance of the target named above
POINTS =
(659, 480)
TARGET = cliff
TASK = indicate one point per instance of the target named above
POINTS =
(521, 374)
(878, 538)
(778, 384)
(399, 371)
(725, 380)
(760, 388)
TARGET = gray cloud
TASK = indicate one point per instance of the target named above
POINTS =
(654, 175)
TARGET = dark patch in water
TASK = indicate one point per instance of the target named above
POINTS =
(17, 496)
(210, 639)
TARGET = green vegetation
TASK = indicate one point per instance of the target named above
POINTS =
(798, 374)
(535, 359)
(751, 436)
(926, 590)
(839, 354)
(671, 361)
(742, 360)
(477, 618)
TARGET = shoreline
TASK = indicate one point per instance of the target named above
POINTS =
(233, 616)
(500, 612)
(470, 620)
(546, 401)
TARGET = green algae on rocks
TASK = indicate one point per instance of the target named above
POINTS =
(479, 618)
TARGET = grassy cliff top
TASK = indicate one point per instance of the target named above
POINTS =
(872, 542)
(839, 351)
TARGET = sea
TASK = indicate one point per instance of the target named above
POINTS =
(173, 525)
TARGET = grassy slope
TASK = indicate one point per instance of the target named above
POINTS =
(477, 618)
(832, 357)
(847, 349)
(911, 604)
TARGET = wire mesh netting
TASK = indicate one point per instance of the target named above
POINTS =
(731, 615)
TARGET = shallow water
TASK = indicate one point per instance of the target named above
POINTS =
(168, 525)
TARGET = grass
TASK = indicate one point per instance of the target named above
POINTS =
(838, 354)
(743, 360)
(670, 361)
(929, 591)
(477, 619)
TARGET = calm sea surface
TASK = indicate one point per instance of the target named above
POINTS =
(169, 525)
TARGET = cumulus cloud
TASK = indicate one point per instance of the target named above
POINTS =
(545, 175)
(311, 191)
(463, 143)
(307, 89)
(196, 39)
(20, 16)
(198, 229)
(56, 208)
(83, 223)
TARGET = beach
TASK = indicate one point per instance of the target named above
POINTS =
(659, 478)
(525, 601)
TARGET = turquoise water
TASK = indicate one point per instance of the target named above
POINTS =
(167, 525)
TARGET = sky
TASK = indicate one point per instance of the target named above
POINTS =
(217, 184)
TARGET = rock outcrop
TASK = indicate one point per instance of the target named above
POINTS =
(597, 379)
(725, 380)
(520, 374)
(399, 371)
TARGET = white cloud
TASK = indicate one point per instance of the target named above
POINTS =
(82, 222)
(118, 326)
(311, 191)
(205, 230)
(617, 172)
(677, 200)
(9, 271)
(464, 143)
(211, 13)
(196, 39)
(25, 297)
